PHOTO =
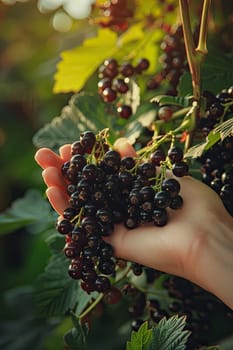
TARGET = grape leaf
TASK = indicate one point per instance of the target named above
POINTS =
(144, 117)
(75, 338)
(55, 292)
(23, 212)
(26, 333)
(169, 334)
(84, 112)
(225, 129)
(214, 347)
(216, 74)
(78, 64)
(183, 101)
(220, 132)
(140, 339)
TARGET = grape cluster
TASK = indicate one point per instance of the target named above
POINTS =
(183, 298)
(115, 14)
(105, 189)
(217, 162)
(217, 170)
(218, 109)
(172, 59)
(115, 82)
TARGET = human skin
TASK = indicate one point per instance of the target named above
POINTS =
(196, 243)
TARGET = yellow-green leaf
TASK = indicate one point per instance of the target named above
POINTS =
(78, 64)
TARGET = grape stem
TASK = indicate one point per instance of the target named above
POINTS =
(195, 56)
(91, 306)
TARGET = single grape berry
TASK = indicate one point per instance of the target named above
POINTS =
(124, 111)
(102, 284)
(112, 295)
(162, 199)
(165, 113)
(109, 95)
(64, 226)
(172, 186)
(157, 157)
(142, 65)
(176, 202)
(180, 169)
(127, 70)
(103, 84)
(175, 154)
(120, 85)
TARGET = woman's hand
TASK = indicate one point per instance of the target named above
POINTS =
(197, 242)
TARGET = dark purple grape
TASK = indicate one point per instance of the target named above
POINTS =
(89, 172)
(107, 266)
(157, 157)
(102, 284)
(146, 170)
(103, 84)
(180, 169)
(172, 186)
(147, 193)
(72, 250)
(77, 148)
(124, 111)
(175, 154)
(64, 226)
(120, 85)
(176, 202)
(160, 216)
(69, 213)
(127, 70)
(162, 199)
(142, 65)
(127, 163)
(109, 95)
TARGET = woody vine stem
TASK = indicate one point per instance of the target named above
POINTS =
(195, 56)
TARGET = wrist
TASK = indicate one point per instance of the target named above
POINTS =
(215, 269)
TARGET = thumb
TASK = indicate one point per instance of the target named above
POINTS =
(125, 149)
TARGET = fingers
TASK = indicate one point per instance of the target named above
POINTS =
(47, 158)
(148, 245)
(123, 146)
(53, 177)
(65, 152)
(58, 199)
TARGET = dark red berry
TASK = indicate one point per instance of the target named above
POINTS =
(109, 95)
(175, 154)
(165, 113)
(124, 111)
(180, 169)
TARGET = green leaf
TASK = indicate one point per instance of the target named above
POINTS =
(84, 112)
(140, 339)
(78, 64)
(22, 328)
(182, 101)
(215, 347)
(222, 131)
(225, 129)
(75, 338)
(170, 334)
(26, 333)
(216, 74)
(24, 212)
(55, 292)
(144, 116)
